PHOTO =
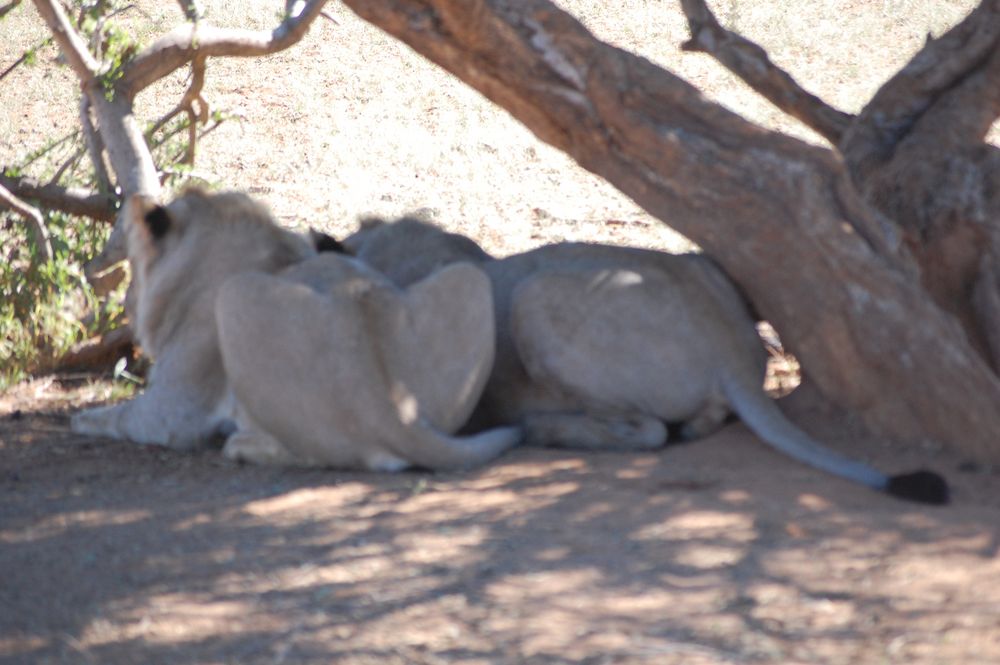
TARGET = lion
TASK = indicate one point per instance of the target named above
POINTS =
(179, 256)
(298, 357)
(607, 347)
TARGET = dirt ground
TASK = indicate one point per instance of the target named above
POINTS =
(714, 552)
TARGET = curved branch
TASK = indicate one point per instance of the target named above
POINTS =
(71, 200)
(751, 63)
(187, 105)
(184, 44)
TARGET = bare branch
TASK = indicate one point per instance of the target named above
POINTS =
(102, 351)
(187, 105)
(33, 218)
(71, 200)
(25, 57)
(751, 63)
(941, 66)
(73, 47)
(187, 42)
(126, 148)
(95, 146)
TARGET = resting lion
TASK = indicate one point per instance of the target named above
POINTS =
(318, 359)
(600, 347)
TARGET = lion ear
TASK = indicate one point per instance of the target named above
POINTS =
(151, 219)
(323, 242)
(158, 221)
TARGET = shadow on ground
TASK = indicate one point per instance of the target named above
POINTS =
(717, 552)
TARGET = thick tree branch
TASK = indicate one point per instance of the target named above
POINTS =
(942, 65)
(187, 42)
(781, 216)
(71, 200)
(33, 218)
(751, 63)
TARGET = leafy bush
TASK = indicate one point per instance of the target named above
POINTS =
(46, 307)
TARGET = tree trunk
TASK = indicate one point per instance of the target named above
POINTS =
(918, 154)
(833, 275)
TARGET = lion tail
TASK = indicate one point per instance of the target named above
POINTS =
(428, 448)
(766, 420)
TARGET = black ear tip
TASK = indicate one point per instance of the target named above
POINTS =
(326, 243)
(920, 486)
(158, 221)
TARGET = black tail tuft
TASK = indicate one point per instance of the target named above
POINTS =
(919, 486)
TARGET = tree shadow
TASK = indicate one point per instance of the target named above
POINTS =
(715, 552)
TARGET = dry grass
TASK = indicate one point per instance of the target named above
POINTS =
(351, 122)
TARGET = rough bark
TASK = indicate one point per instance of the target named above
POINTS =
(916, 152)
(782, 217)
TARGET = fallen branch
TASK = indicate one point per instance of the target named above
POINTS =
(71, 200)
(97, 353)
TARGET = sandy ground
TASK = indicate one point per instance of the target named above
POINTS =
(712, 552)
(716, 552)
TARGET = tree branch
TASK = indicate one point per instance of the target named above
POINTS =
(751, 63)
(126, 147)
(73, 47)
(95, 146)
(33, 218)
(781, 216)
(187, 42)
(941, 66)
(71, 200)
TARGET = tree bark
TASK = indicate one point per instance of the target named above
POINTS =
(118, 132)
(783, 218)
(916, 152)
